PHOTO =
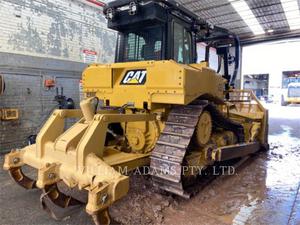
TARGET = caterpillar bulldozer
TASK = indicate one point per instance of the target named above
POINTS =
(155, 106)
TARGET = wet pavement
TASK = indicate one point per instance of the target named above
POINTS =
(265, 190)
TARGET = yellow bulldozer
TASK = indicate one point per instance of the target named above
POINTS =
(155, 106)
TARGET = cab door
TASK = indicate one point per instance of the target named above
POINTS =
(182, 44)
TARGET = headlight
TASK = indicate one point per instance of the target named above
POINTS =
(133, 8)
(110, 13)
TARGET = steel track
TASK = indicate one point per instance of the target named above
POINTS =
(168, 156)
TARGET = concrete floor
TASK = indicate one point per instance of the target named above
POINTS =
(266, 191)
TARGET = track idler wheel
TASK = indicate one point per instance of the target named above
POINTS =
(101, 218)
(21, 179)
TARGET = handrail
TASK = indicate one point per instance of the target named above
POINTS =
(240, 96)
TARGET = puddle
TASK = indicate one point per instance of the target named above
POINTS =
(245, 211)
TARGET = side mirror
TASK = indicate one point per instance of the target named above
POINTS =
(2, 85)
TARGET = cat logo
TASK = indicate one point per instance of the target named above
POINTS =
(134, 77)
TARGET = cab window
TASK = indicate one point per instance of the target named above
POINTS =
(143, 44)
(182, 44)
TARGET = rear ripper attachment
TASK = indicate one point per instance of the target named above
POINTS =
(79, 158)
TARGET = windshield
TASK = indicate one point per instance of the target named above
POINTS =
(144, 44)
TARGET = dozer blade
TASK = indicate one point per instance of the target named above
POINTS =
(21, 179)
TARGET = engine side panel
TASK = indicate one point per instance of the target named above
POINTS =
(151, 82)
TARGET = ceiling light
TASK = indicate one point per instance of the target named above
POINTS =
(242, 8)
(270, 30)
(292, 13)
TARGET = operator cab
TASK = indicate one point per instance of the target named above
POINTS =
(150, 31)
(164, 30)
